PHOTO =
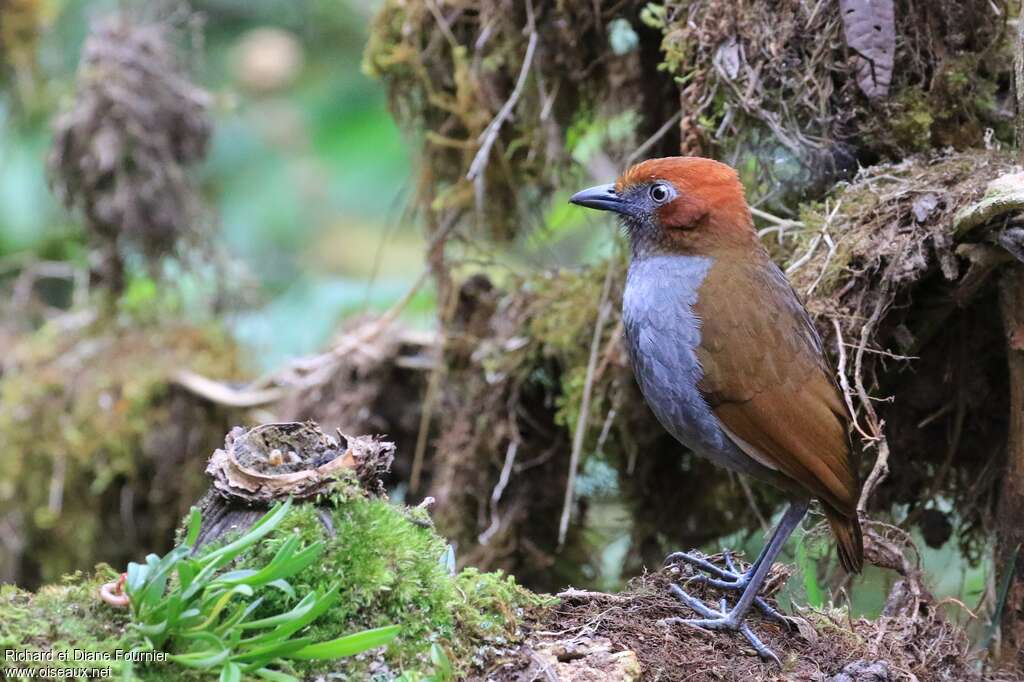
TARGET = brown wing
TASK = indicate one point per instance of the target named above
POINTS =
(768, 381)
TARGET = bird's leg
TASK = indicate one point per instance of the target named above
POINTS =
(730, 578)
(725, 579)
(725, 619)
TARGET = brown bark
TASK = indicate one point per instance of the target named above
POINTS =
(1010, 548)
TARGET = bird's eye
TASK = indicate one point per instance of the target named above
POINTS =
(659, 193)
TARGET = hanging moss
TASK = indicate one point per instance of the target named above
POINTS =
(748, 84)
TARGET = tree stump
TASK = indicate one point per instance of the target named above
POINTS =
(273, 462)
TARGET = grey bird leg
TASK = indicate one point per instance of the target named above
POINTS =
(731, 579)
(733, 619)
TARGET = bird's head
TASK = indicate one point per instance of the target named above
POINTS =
(678, 204)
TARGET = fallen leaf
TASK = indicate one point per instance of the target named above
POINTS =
(870, 28)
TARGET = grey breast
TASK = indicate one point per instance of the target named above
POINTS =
(662, 335)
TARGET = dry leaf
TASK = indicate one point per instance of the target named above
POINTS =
(870, 27)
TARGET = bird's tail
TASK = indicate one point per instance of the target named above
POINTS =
(849, 539)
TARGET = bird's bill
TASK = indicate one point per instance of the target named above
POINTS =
(601, 197)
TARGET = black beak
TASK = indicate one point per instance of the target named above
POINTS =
(602, 197)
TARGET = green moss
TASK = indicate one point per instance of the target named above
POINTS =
(393, 570)
(66, 617)
(561, 321)
(911, 120)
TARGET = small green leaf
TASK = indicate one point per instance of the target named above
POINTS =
(195, 522)
(186, 574)
(275, 675)
(135, 578)
(442, 666)
(220, 604)
(284, 586)
(348, 645)
(230, 672)
(241, 613)
(257, 532)
(208, 658)
(260, 656)
(151, 630)
(300, 609)
(312, 608)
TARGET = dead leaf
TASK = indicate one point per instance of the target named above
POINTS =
(870, 28)
(729, 57)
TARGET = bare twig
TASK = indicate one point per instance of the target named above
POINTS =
(774, 219)
(223, 394)
(490, 134)
(844, 382)
(430, 400)
(653, 139)
(752, 501)
(603, 310)
(499, 489)
(880, 470)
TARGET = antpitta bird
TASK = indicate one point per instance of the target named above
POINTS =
(729, 360)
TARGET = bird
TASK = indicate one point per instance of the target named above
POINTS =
(729, 361)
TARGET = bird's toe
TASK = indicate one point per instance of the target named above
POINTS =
(724, 619)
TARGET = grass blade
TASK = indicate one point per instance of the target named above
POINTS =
(257, 532)
(348, 645)
(195, 522)
(275, 675)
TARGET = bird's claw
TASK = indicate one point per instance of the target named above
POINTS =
(722, 619)
(725, 579)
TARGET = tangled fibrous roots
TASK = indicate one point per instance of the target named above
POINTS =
(899, 268)
(121, 153)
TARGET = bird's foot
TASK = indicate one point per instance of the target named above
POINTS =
(729, 578)
(720, 619)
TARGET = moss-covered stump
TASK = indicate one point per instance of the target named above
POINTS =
(102, 452)
(391, 567)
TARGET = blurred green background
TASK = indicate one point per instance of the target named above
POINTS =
(307, 173)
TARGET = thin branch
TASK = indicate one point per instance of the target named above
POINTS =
(604, 309)
(490, 134)
(430, 399)
(499, 489)
(653, 139)
(224, 394)
(844, 382)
